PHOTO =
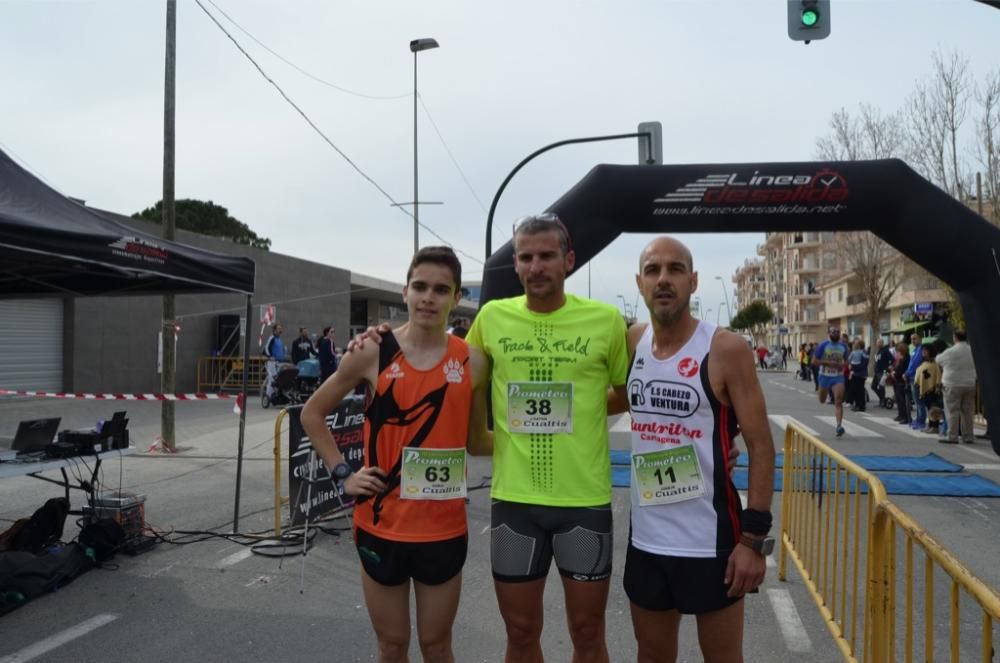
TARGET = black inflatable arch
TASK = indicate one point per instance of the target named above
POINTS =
(886, 197)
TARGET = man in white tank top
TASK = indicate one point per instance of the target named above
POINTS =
(692, 549)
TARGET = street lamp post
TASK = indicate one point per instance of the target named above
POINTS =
(719, 313)
(725, 293)
(416, 46)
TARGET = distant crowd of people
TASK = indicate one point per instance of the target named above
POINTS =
(929, 383)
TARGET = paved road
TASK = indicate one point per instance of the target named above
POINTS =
(218, 601)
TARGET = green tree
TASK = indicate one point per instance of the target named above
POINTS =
(207, 218)
(754, 317)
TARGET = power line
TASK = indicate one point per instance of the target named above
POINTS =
(450, 155)
(300, 69)
(325, 137)
(339, 88)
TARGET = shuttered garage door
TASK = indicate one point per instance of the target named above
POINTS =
(31, 344)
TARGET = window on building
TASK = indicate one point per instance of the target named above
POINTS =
(840, 294)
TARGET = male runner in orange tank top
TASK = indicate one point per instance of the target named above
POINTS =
(409, 521)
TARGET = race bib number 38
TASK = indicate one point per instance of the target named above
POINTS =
(540, 407)
(432, 474)
(668, 476)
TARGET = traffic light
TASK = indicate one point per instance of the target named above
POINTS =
(808, 19)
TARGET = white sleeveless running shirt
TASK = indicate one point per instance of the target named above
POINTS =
(683, 502)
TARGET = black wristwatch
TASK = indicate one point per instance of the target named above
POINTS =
(340, 473)
(762, 546)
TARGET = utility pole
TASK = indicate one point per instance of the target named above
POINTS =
(167, 328)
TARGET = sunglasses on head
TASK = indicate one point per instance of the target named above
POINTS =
(545, 218)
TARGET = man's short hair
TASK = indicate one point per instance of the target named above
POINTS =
(543, 223)
(437, 255)
(960, 335)
(275, 327)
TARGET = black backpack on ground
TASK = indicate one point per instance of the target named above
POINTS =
(43, 529)
(25, 576)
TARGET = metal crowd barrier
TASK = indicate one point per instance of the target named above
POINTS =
(226, 373)
(840, 531)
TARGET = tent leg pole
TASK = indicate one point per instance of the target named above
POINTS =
(243, 416)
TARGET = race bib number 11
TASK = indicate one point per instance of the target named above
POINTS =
(668, 476)
(540, 407)
(432, 474)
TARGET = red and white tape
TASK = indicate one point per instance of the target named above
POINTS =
(120, 397)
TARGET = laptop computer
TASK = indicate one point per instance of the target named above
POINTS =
(32, 435)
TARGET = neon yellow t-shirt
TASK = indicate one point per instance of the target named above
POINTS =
(550, 378)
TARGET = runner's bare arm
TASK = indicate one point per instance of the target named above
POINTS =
(480, 442)
(742, 391)
(617, 396)
(358, 366)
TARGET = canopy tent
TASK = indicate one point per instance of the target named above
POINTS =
(909, 326)
(52, 245)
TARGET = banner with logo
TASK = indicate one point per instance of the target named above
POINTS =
(346, 423)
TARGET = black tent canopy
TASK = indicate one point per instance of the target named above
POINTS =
(52, 245)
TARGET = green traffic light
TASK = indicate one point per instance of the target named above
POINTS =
(809, 17)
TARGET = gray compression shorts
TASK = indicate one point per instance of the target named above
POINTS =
(525, 538)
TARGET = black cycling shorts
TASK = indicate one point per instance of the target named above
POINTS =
(526, 537)
(690, 585)
(395, 562)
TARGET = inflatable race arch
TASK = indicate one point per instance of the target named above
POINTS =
(886, 197)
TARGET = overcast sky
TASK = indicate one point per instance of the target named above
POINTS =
(82, 106)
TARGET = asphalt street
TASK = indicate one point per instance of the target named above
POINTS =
(218, 601)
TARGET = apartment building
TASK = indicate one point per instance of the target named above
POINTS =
(803, 278)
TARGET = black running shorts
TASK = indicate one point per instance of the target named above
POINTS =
(690, 585)
(395, 562)
(526, 537)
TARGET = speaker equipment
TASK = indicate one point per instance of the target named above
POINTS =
(227, 335)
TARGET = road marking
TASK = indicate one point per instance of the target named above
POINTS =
(623, 425)
(978, 452)
(781, 421)
(796, 638)
(982, 466)
(59, 639)
(486, 528)
(851, 428)
(899, 428)
(237, 556)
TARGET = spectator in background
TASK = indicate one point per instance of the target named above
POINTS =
(762, 356)
(899, 386)
(883, 363)
(327, 354)
(959, 380)
(274, 350)
(784, 356)
(813, 367)
(302, 347)
(804, 362)
(920, 411)
(928, 381)
(460, 327)
(858, 366)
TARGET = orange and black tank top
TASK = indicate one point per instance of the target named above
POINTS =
(415, 408)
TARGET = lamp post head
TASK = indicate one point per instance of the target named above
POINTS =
(423, 44)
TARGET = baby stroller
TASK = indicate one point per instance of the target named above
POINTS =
(307, 380)
(283, 387)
